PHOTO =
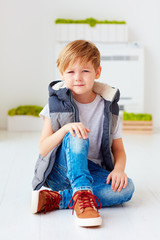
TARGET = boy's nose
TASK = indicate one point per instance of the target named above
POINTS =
(78, 77)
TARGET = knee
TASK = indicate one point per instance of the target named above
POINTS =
(129, 190)
(78, 145)
(125, 194)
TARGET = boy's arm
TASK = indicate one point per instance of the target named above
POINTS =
(118, 176)
(50, 139)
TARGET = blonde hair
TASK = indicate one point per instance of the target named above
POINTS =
(82, 49)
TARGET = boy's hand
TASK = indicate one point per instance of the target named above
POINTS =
(119, 180)
(77, 129)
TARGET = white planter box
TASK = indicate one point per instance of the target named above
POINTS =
(24, 123)
(99, 33)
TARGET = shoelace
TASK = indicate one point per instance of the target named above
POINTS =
(52, 201)
(86, 199)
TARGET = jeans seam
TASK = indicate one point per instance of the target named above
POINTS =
(60, 167)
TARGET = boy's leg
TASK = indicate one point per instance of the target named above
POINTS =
(104, 192)
(71, 178)
(72, 165)
(70, 170)
(59, 181)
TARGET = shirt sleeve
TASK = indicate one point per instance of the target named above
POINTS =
(45, 112)
(118, 129)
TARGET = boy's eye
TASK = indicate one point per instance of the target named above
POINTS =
(85, 71)
(70, 72)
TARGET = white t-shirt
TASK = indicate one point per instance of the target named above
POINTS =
(92, 116)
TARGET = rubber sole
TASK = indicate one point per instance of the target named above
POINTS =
(34, 201)
(88, 222)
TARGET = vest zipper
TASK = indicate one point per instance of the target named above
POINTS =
(75, 109)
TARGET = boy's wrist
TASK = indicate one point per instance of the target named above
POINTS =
(120, 163)
(64, 130)
(119, 168)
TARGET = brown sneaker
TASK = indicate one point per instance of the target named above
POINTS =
(85, 207)
(45, 201)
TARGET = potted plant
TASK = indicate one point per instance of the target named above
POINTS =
(25, 118)
(137, 123)
(91, 29)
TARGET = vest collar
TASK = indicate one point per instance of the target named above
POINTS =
(104, 90)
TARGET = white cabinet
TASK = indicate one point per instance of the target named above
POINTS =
(123, 67)
(99, 33)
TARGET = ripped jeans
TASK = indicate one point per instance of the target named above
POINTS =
(72, 172)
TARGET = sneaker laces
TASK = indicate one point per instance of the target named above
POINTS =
(86, 199)
(52, 201)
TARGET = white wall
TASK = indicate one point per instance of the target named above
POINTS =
(27, 45)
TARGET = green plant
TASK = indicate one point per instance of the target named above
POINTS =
(30, 110)
(137, 117)
(91, 21)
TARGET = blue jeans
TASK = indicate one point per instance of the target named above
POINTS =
(72, 172)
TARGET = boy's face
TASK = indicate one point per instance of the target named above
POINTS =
(79, 77)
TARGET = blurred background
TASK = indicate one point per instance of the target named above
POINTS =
(28, 45)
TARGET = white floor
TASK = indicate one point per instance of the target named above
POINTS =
(139, 219)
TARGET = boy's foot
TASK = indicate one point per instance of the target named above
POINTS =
(85, 207)
(45, 201)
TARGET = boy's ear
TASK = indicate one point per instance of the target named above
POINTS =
(98, 72)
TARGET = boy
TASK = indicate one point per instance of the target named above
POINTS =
(81, 148)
